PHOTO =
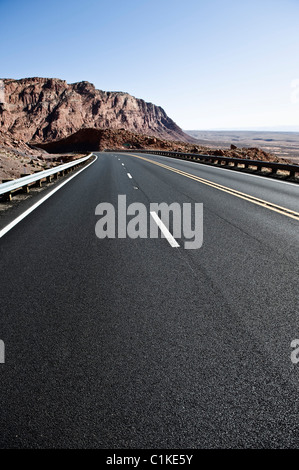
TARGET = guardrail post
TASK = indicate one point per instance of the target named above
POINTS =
(7, 196)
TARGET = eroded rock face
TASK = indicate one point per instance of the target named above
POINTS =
(42, 110)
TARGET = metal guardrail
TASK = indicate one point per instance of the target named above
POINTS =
(228, 161)
(24, 182)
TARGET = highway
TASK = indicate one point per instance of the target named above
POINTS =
(135, 344)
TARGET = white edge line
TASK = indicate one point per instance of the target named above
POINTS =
(38, 203)
(129, 175)
(164, 230)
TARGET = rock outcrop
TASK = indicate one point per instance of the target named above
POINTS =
(87, 140)
(43, 110)
(18, 158)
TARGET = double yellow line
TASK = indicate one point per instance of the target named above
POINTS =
(233, 192)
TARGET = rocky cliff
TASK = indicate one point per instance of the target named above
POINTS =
(42, 110)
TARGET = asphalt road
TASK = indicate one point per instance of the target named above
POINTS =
(130, 343)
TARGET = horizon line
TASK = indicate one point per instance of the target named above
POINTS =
(246, 129)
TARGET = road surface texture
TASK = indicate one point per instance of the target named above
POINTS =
(131, 343)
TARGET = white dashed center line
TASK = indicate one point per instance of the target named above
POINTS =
(172, 242)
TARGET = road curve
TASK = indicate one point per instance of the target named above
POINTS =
(131, 343)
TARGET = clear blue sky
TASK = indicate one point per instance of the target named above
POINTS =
(209, 64)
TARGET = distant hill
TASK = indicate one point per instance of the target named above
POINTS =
(283, 144)
(86, 140)
(46, 109)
